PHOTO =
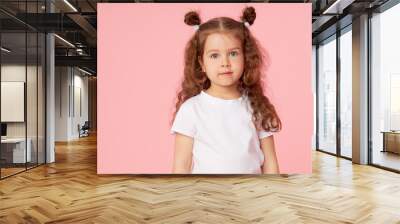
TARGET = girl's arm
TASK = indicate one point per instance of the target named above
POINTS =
(270, 165)
(183, 154)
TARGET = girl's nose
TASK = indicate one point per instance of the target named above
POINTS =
(226, 62)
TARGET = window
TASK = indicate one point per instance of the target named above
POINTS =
(385, 88)
(327, 95)
(346, 92)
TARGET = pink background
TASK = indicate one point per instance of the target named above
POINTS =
(140, 65)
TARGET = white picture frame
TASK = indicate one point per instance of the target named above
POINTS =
(12, 101)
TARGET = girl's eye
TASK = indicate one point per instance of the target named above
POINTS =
(234, 53)
(213, 56)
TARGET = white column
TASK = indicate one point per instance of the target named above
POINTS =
(360, 90)
(50, 92)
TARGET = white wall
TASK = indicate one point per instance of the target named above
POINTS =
(79, 117)
(33, 127)
(71, 93)
(61, 103)
(15, 72)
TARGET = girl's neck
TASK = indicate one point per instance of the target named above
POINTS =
(227, 93)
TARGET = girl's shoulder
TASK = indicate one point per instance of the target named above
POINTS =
(189, 103)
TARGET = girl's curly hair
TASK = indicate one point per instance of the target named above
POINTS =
(250, 83)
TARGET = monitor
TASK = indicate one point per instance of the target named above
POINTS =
(3, 129)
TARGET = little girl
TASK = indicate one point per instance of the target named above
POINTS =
(223, 122)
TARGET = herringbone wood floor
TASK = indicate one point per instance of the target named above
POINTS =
(70, 191)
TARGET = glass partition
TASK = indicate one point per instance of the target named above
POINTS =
(13, 104)
(327, 95)
(22, 88)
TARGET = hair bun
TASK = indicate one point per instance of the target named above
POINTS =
(249, 15)
(192, 18)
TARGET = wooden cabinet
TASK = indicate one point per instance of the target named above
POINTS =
(391, 141)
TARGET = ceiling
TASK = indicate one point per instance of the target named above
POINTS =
(76, 22)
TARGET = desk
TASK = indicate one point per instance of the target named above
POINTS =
(15, 148)
(391, 141)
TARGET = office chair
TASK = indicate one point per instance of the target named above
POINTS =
(84, 130)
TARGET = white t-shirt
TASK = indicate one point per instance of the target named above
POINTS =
(225, 139)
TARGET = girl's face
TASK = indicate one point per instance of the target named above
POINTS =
(223, 59)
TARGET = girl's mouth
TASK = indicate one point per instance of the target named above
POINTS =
(226, 73)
